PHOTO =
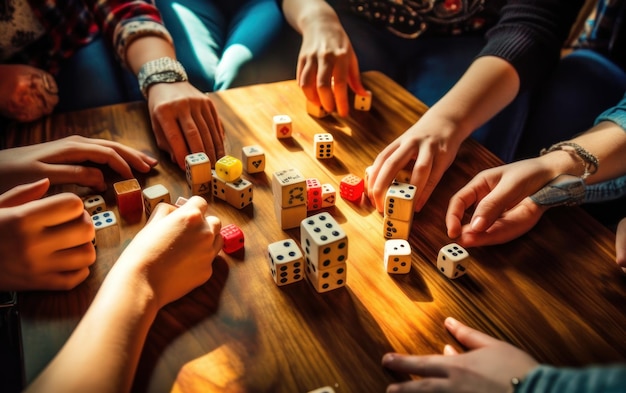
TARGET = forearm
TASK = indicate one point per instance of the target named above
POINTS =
(148, 48)
(300, 13)
(488, 86)
(103, 352)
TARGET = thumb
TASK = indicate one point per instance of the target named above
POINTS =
(468, 337)
(24, 193)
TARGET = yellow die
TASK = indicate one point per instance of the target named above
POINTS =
(228, 168)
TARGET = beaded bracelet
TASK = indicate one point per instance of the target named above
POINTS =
(589, 161)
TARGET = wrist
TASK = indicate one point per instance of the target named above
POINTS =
(161, 70)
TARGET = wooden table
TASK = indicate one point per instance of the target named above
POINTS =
(555, 292)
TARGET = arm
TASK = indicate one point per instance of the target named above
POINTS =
(62, 161)
(184, 119)
(503, 210)
(520, 50)
(327, 64)
(168, 258)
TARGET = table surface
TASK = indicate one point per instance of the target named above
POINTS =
(555, 292)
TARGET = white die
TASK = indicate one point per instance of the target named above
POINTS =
(154, 195)
(399, 201)
(396, 229)
(325, 389)
(94, 204)
(397, 256)
(253, 158)
(197, 169)
(363, 103)
(323, 241)
(290, 217)
(289, 188)
(239, 193)
(282, 126)
(327, 279)
(107, 229)
(285, 261)
(324, 145)
(218, 187)
(329, 195)
(453, 260)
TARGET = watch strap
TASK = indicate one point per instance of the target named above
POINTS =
(162, 70)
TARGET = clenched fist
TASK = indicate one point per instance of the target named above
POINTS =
(26, 93)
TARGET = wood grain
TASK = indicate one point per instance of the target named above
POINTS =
(556, 292)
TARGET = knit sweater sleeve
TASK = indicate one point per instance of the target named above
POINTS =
(530, 34)
(596, 379)
(616, 114)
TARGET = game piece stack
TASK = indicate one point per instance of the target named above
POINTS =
(254, 158)
(228, 185)
(154, 195)
(198, 173)
(233, 238)
(453, 260)
(325, 246)
(398, 215)
(285, 261)
(397, 256)
(289, 189)
(351, 188)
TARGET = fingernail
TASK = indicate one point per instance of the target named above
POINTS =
(451, 322)
(478, 223)
(388, 358)
(624, 269)
(448, 350)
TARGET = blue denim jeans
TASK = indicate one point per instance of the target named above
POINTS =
(219, 41)
(93, 77)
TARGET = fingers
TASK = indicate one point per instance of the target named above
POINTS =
(73, 259)
(54, 210)
(427, 366)
(24, 193)
(470, 338)
(340, 89)
(69, 235)
(620, 244)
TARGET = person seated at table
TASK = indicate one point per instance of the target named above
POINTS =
(169, 257)
(508, 200)
(75, 54)
(229, 43)
(46, 241)
(466, 86)
(492, 366)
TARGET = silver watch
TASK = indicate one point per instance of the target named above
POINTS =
(162, 70)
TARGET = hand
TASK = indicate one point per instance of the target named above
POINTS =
(185, 121)
(620, 244)
(503, 210)
(429, 146)
(327, 65)
(61, 162)
(45, 243)
(26, 93)
(174, 252)
(488, 367)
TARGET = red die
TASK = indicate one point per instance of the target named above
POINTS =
(233, 238)
(314, 194)
(351, 188)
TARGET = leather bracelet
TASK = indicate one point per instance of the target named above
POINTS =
(564, 189)
(589, 161)
(162, 70)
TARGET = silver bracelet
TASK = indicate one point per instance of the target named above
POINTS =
(589, 161)
(162, 70)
